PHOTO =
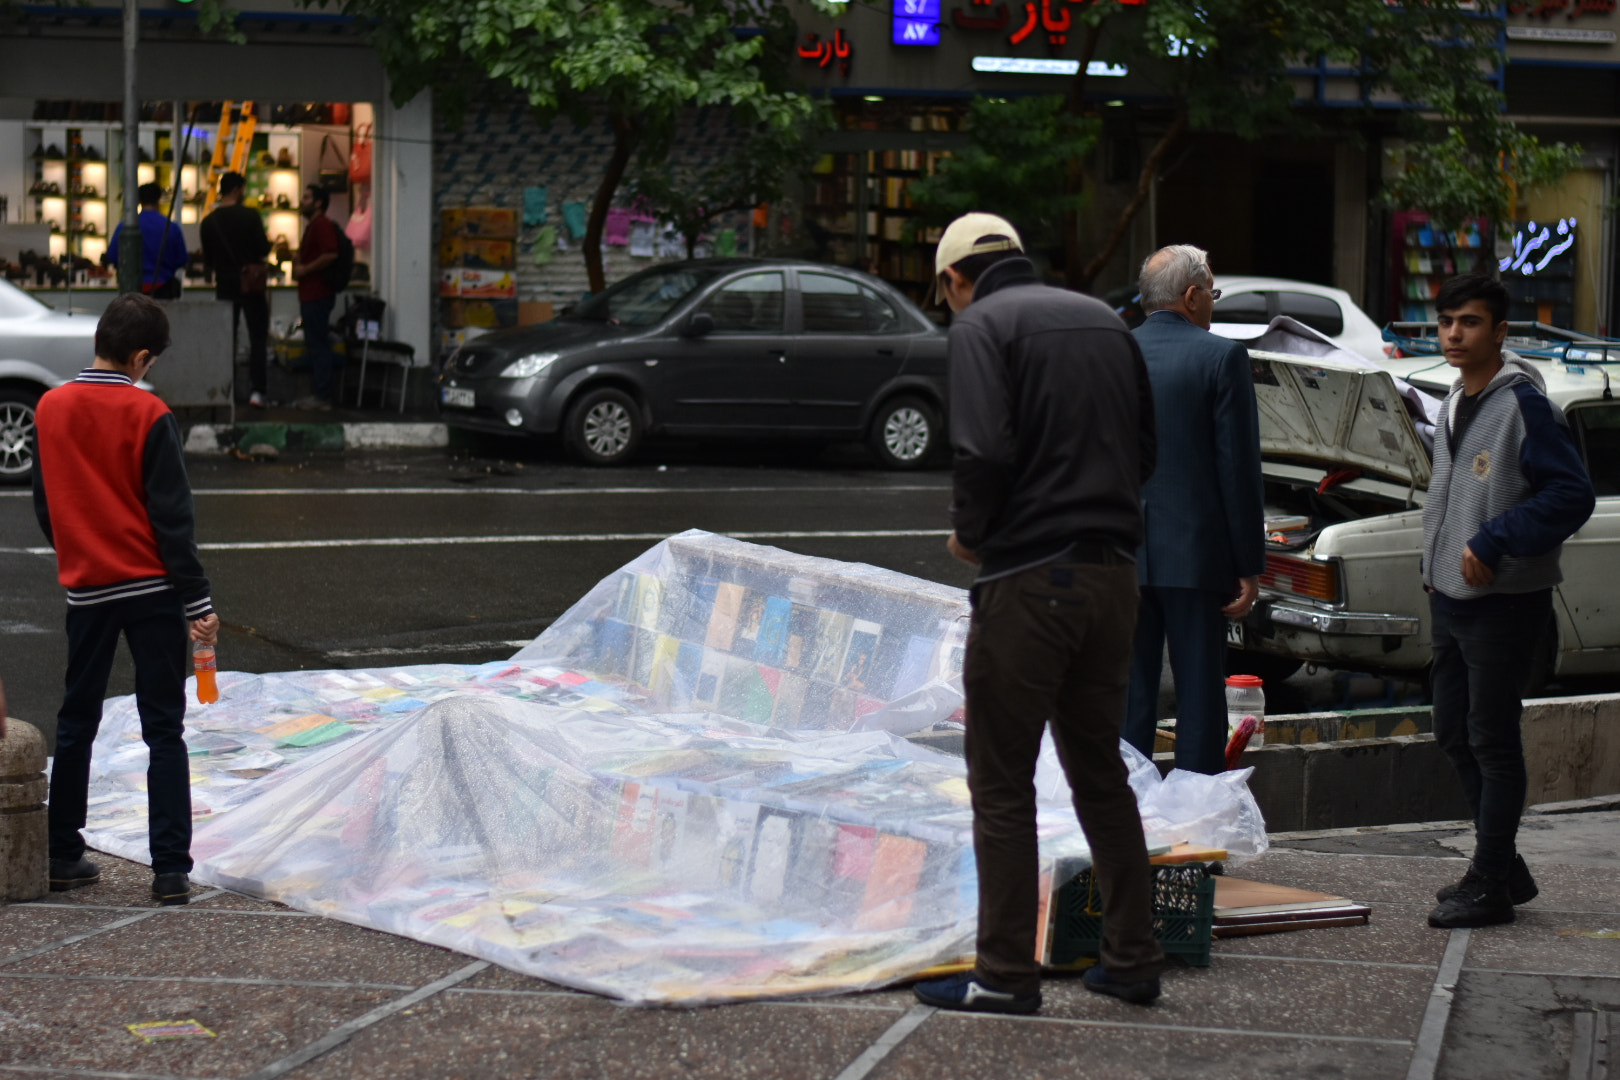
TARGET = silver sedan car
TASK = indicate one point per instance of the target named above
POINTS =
(40, 347)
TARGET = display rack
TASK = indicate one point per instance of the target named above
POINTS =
(862, 215)
(1424, 257)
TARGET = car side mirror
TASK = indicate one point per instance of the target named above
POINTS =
(701, 324)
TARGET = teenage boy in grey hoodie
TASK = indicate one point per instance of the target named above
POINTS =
(1508, 489)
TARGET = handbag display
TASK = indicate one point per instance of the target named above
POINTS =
(360, 155)
(334, 180)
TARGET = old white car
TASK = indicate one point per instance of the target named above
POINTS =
(1347, 472)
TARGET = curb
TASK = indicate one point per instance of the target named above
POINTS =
(205, 439)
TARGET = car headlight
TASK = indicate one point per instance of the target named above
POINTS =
(529, 366)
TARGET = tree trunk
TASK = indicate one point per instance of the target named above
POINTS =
(1144, 185)
(625, 137)
(1074, 177)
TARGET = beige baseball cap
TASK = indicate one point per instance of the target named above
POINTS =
(969, 235)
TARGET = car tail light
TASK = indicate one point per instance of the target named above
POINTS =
(1303, 577)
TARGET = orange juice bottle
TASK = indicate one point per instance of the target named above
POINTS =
(202, 662)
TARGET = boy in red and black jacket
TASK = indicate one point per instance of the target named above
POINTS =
(111, 493)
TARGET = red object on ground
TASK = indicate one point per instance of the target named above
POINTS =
(1240, 740)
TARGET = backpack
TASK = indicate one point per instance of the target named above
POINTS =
(337, 272)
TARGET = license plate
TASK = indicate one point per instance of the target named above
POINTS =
(456, 397)
(1234, 633)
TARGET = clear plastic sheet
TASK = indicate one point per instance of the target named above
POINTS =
(666, 798)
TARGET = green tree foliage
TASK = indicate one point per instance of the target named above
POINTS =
(1015, 164)
(691, 198)
(1454, 178)
(1224, 66)
(638, 62)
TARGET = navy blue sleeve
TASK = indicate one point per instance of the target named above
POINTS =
(1237, 461)
(169, 508)
(1561, 492)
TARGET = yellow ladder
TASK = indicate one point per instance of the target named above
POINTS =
(240, 135)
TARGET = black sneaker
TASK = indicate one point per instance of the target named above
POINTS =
(1482, 903)
(1135, 991)
(1520, 885)
(171, 890)
(73, 875)
(966, 993)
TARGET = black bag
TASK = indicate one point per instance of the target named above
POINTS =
(333, 179)
(338, 271)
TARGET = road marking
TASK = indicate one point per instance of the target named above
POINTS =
(465, 646)
(874, 1054)
(463, 490)
(1426, 1058)
(343, 1032)
(531, 538)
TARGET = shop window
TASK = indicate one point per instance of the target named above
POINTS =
(1597, 433)
(837, 305)
(748, 305)
(1317, 312)
(1243, 307)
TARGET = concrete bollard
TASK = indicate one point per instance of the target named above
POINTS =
(24, 870)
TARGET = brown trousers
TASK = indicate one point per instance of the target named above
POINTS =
(1054, 643)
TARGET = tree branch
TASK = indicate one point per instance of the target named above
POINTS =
(1144, 185)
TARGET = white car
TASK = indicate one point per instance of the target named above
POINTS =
(1346, 477)
(40, 348)
(1249, 304)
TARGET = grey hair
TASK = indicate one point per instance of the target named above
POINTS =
(1168, 272)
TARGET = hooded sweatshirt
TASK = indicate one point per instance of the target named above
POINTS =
(1510, 485)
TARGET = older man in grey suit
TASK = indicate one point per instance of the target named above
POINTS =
(1204, 544)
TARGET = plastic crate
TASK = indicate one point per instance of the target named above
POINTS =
(1183, 915)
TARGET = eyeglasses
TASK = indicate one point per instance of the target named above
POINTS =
(1214, 294)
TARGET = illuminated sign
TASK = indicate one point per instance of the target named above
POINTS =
(825, 52)
(916, 22)
(1534, 246)
(1546, 9)
(1023, 65)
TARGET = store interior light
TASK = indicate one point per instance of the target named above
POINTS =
(1116, 103)
(873, 97)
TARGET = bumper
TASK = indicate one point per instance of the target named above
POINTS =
(491, 400)
(1353, 623)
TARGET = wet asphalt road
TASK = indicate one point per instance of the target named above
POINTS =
(384, 559)
(369, 560)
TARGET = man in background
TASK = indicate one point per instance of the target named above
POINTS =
(318, 250)
(1052, 428)
(163, 248)
(1204, 543)
(234, 241)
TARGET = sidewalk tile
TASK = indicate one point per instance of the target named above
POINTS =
(80, 1025)
(1396, 879)
(249, 946)
(28, 926)
(1548, 941)
(1266, 995)
(950, 1045)
(1394, 934)
(588, 1038)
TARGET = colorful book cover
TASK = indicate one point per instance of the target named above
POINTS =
(772, 855)
(790, 693)
(711, 674)
(832, 634)
(858, 659)
(649, 597)
(914, 666)
(660, 680)
(670, 811)
(771, 645)
(802, 623)
(749, 620)
(745, 694)
(287, 728)
(891, 885)
(728, 602)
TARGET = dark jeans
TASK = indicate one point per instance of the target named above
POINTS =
(317, 317)
(155, 627)
(1053, 643)
(256, 310)
(1480, 663)
(1191, 620)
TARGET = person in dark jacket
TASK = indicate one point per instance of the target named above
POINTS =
(163, 248)
(1200, 562)
(1508, 489)
(1052, 428)
(233, 236)
(112, 498)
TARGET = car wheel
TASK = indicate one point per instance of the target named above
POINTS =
(16, 435)
(604, 427)
(905, 433)
(1272, 669)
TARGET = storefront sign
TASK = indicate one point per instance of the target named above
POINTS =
(1534, 246)
(1570, 34)
(916, 22)
(1025, 65)
(1571, 9)
(824, 52)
